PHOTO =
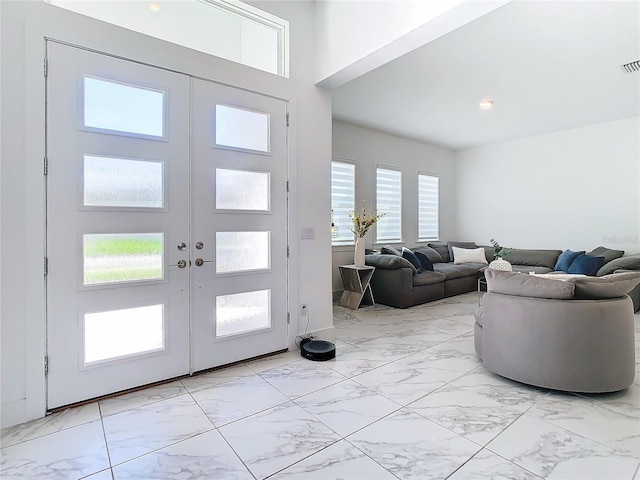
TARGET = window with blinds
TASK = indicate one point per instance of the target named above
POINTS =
(389, 202)
(343, 185)
(428, 206)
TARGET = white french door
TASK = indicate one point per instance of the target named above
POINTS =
(153, 270)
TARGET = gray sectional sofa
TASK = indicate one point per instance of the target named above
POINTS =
(398, 283)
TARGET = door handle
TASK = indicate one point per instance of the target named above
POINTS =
(199, 245)
(199, 262)
(182, 263)
(182, 246)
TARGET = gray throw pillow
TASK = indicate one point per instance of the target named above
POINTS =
(442, 249)
(631, 262)
(607, 253)
(430, 253)
(611, 286)
(389, 250)
(388, 262)
(525, 285)
(469, 245)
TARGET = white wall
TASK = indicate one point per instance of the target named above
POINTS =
(354, 37)
(574, 189)
(369, 148)
(22, 321)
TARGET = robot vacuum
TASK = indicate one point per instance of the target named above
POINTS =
(317, 350)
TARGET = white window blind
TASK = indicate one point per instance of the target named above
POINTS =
(428, 206)
(343, 182)
(389, 202)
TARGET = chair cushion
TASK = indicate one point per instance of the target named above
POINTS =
(611, 286)
(524, 285)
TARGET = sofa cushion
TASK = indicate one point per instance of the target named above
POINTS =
(431, 254)
(457, 271)
(611, 286)
(565, 260)
(530, 268)
(427, 278)
(468, 255)
(442, 249)
(524, 285)
(450, 246)
(389, 250)
(631, 262)
(586, 265)
(388, 262)
(488, 252)
(426, 263)
(541, 258)
(409, 255)
(607, 253)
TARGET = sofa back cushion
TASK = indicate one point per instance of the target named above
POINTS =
(607, 253)
(409, 255)
(524, 285)
(442, 249)
(425, 261)
(586, 265)
(611, 286)
(632, 262)
(389, 250)
(565, 260)
(540, 258)
(430, 253)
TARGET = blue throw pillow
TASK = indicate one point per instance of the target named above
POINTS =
(565, 260)
(409, 255)
(586, 265)
(424, 261)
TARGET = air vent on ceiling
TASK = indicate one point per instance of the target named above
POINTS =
(631, 67)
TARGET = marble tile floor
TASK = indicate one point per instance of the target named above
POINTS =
(406, 398)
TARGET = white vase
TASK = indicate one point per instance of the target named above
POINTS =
(500, 264)
(358, 257)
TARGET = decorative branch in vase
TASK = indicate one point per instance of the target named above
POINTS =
(362, 222)
(499, 252)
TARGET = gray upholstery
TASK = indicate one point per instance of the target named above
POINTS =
(572, 345)
(389, 262)
(430, 253)
(522, 284)
(531, 268)
(541, 258)
(632, 262)
(452, 271)
(605, 252)
(395, 287)
(459, 245)
(442, 249)
(611, 286)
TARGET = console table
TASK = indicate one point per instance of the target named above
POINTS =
(357, 290)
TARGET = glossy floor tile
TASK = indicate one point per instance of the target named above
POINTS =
(405, 398)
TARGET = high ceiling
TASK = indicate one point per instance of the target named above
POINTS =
(548, 66)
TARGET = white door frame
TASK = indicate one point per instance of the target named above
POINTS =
(84, 32)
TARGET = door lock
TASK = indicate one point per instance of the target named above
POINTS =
(199, 262)
(182, 246)
(199, 245)
(182, 263)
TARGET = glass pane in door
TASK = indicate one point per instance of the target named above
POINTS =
(242, 128)
(122, 333)
(243, 312)
(120, 182)
(241, 251)
(242, 190)
(122, 257)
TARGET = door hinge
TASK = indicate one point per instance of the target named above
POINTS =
(46, 165)
(287, 186)
(46, 265)
(288, 251)
(46, 366)
(46, 67)
(288, 317)
(287, 119)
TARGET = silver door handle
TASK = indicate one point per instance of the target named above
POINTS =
(199, 262)
(199, 245)
(182, 246)
(182, 263)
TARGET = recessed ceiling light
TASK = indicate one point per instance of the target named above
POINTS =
(486, 104)
(154, 7)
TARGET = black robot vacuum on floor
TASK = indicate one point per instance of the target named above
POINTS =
(317, 350)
